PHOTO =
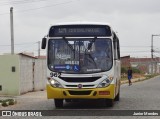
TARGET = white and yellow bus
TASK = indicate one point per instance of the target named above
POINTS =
(83, 62)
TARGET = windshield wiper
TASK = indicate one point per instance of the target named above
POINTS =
(71, 47)
(91, 43)
(90, 57)
(88, 49)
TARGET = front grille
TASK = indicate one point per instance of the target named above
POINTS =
(88, 85)
(79, 92)
(71, 85)
(77, 86)
(80, 79)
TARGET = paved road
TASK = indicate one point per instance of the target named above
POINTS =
(143, 95)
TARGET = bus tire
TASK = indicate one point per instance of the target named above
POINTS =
(117, 98)
(68, 100)
(58, 103)
(109, 102)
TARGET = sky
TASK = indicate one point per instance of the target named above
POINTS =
(135, 21)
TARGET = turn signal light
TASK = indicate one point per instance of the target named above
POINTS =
(104, 92)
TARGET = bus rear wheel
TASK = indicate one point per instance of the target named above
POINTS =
(58, 103)
(109, 102)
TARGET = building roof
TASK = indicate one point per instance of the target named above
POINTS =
(82, 23)
(128, 56)
(41, 57)
(28, 55)
(144, 59)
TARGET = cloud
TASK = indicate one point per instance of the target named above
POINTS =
(134, 20)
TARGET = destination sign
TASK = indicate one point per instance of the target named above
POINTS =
(79, 30)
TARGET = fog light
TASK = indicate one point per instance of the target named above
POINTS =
(64, 93)
(94, 94)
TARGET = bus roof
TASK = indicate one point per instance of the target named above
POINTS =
(104, 29)
(81, 23)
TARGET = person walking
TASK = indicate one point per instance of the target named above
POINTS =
(129, 75)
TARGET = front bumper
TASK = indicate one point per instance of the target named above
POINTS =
(83, 93)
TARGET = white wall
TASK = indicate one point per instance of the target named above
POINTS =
(40, 74)
(9, 80)
(29, 75)
(26, 74)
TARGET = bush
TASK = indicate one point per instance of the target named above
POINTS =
(11, 102)
(7, 102)
(4, 103)
(135, 70)
(123, 70)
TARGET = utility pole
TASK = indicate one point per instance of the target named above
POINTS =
(152, 50)
(152, 54)
(152, 47)
(12, 30)
(38, 48)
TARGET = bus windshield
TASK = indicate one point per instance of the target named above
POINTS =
(80, 55)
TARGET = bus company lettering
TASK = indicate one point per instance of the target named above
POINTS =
(86, 30)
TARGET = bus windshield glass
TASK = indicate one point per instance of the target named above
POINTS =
(80, 55)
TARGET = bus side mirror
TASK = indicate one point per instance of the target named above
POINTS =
(43, 45)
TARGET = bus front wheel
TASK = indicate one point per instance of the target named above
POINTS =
(109, 102)
(68, 100)
(58, 103)
(117, 98)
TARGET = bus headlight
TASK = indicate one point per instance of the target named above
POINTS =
(104, 83)
(54, 83)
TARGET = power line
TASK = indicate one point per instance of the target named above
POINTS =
(136, 46)
(4, 13)
(23, 47)
(135, 51)
(39, 7)
(20, 44)
(20, 2)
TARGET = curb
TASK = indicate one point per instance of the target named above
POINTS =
(134, 80)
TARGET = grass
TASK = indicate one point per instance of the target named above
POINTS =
(151, 76)
(7, 102)
(124, 77)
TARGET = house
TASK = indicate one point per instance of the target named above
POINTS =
(125, 61)
(146, 65)
(21, 73)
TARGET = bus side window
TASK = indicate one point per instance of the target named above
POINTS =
(116, 48)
